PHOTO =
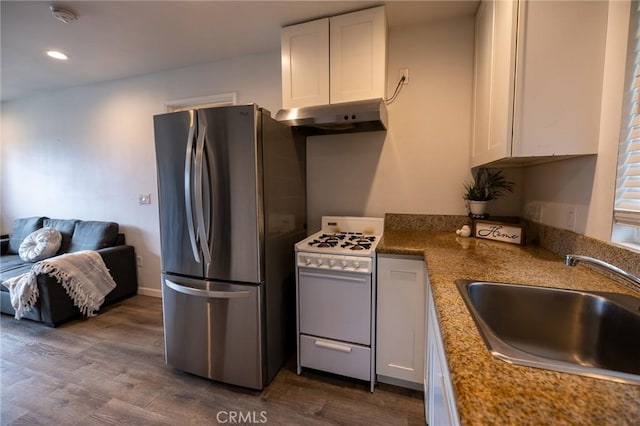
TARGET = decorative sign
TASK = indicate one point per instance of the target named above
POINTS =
(498, 231)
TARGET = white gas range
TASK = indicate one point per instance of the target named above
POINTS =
(336, 291)
(344, 243)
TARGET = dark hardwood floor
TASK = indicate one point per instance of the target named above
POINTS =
(110, 370)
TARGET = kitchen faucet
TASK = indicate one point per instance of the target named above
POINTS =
(573, 259)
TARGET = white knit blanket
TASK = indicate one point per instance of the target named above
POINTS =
(83, 275)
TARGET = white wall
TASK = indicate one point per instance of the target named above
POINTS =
(88, 152)
(588, 184)
(421, 163)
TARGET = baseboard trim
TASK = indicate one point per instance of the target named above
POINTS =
(146, 291)
(400, 383)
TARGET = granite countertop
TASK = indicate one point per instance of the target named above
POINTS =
(491, 391)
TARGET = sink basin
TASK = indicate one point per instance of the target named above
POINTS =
(594, 334)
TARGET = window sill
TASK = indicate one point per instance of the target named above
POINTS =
(628, 245)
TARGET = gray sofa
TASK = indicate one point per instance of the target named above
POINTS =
(54, 305)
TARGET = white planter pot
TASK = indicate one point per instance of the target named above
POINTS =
(477, 207)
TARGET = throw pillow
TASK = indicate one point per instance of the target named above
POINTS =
(40, 244)
(93, 235)
(22, 228)
(65, 227)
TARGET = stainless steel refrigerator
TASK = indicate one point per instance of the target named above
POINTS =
(231, 184)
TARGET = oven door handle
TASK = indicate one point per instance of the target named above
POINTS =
(333, 276)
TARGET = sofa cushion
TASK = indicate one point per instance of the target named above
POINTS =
(21, 228)
(65, 227)
(11, 266)
(93, 235)
(40, 244)
(25, 268)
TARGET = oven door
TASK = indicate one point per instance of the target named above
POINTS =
(335, 304)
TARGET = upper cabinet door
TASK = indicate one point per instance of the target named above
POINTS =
(305, 64)
(334, 60)
(559, 77)
(358, 52)
(538, 80)
(495, 53)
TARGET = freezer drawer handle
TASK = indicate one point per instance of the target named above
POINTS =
(207, 293)
(333, 346)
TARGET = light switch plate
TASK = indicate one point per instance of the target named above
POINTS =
(144, 198)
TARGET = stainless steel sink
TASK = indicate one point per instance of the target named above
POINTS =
(589, 333)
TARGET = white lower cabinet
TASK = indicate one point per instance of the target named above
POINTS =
(400, 333)
(440, 403)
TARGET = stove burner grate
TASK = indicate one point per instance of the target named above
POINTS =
(361, 245)
(356, 241)
(323, 243)
(332, 236)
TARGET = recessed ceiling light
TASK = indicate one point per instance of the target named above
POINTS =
(56, 54)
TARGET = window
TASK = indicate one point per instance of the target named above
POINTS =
(627, 197)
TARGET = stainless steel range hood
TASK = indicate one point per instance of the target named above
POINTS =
(349, 117)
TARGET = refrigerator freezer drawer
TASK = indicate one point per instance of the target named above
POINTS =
(213, 330)
(337, 357)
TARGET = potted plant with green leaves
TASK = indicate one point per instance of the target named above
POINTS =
(487, 185)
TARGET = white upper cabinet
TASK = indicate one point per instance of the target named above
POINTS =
(538, 79)
(305, 64)
(334, 60)
(358, 55)
(495, 40)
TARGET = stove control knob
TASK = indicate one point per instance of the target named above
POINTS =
(356, 265)
(332, 263)
(343, 264)
(319, 262)
(308, 261)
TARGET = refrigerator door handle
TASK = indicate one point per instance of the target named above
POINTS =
(207, 293)
(187, 187)
(202, 231)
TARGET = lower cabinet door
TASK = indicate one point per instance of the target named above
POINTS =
(400, 325)
(336, 357)
(441, 403)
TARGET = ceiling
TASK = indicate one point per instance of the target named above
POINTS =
(117, 39)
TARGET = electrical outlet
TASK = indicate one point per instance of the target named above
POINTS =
(534, 211)
(571, 219)
(538, 213)
(144, 198)
(404, 73)
(139, 261)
